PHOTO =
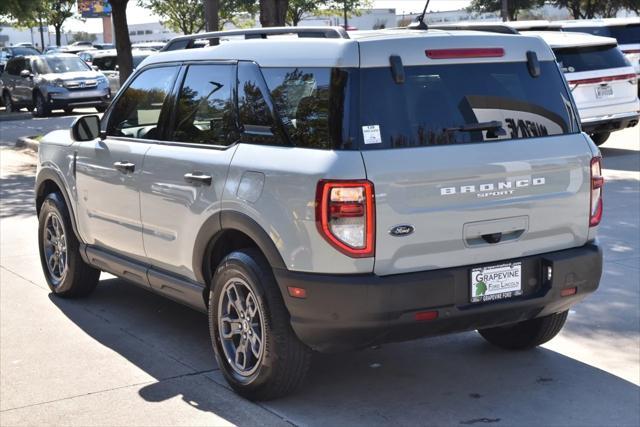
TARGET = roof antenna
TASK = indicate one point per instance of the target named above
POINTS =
(419, 24)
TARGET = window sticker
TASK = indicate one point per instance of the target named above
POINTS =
(371, 134)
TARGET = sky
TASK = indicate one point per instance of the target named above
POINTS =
(138, 15)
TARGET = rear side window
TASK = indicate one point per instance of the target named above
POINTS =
(107, 63)
(310, 102)
(577, 59)
(253, 108)
(440, 104)
(204, 113)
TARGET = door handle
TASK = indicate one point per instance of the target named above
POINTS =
(198, 178)
(125, 167)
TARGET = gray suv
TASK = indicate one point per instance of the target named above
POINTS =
(48, 82)
(391, 185)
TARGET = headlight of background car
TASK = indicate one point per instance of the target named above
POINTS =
(56, 82)
(102, 80)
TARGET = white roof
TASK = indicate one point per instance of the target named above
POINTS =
(605, 22)
(557, 39)
(362, 49)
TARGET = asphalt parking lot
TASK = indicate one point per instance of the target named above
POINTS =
(126, 356)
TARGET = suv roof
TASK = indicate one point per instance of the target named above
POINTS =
(603, 22)
(357, 49)
(557, 39)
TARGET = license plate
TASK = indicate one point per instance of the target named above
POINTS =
(604, 91)
(496, 282)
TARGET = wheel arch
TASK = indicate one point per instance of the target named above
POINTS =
(225, 232)
(47, 182)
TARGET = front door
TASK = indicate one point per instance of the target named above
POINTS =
(183, 180)
(108, 171)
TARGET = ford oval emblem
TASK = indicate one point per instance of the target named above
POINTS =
(401, 230)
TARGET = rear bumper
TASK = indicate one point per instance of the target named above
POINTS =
(344, 312)
(610, 123)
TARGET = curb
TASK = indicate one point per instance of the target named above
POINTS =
(7, 117)
(28, 142)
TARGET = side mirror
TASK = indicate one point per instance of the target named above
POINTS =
(95, 68)
(25, 74)
(86, 128)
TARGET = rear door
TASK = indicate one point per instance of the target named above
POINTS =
(450, 189)
(184, 177)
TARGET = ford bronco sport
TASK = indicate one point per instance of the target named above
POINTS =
(317, 191)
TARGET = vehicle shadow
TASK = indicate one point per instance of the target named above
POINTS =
(17, 193)
(620, 159)
(457, 379)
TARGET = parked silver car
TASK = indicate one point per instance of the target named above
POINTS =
(49, 82)
(107, 62)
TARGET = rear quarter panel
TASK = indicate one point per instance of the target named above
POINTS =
(276, 187)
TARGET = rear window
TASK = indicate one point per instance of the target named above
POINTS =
(577, 59)
(624, 34)
(439, 104)
(24, 51)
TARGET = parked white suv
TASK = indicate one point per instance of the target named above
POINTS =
(625, 30)
(603, 83)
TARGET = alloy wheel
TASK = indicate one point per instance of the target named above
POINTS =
(241, 327)
(55, 248)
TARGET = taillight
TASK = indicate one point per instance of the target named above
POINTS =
(597, 182)
(345, 216)
(631, 77)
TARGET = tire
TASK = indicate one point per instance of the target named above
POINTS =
(68, 110)
(69, 276)
(8, 104)
(281, 361)
(527, 334)
(41, 108)
(600, 138)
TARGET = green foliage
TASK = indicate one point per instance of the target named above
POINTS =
(82, 36)
(18, 10)
(187, 16)
(298, 9)
(514, 6)
(587, 9)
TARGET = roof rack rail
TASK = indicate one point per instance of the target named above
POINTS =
(189, 42)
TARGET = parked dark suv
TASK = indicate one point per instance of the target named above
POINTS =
(48, 82)
(6, 53)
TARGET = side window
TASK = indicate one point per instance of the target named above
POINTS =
(137, 111)
(14, 67)
(204, 112)
(253, 109)
(310, 102)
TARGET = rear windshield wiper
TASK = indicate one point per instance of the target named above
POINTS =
(494, 128)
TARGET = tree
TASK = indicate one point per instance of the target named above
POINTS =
(82, 36)
(58, 11)
(184, 16)
(513, 6)
(348, 8)
(273, 13)
(588, 9)
(298, 9)
(18, 9)
(123, 43)
(212, 15)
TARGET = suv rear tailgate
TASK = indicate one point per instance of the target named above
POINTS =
(535, 191)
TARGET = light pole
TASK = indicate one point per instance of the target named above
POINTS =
(505, 10)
